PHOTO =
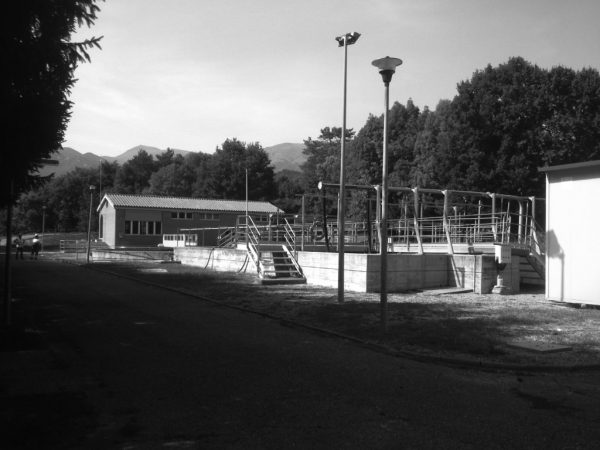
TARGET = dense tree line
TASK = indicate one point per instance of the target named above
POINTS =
(218, 175)
(503, 124)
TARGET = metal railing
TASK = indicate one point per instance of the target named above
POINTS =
(290, 238)
(253, 238)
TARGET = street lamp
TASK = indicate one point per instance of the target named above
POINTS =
(343, 41)
(43, 225)
(387, 67)
(89, 236)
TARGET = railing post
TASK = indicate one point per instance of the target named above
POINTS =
(494, 224)
(520, 232)
(416, 221)
(445, 222)
(378, 214)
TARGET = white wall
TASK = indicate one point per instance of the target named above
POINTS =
(572, 243)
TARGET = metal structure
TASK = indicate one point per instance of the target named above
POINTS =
(343, 41)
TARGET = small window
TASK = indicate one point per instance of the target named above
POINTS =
(128, 227)
(157, 228)
(173, 214)
(188, 215)
(135, 227)
(150, 227)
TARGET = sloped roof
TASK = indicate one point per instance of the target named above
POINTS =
(180, 203)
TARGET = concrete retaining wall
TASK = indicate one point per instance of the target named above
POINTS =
(131, 255)
(478, 272)
(361, 271)
(405, 271)
(219, 259)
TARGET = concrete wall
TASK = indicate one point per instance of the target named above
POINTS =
(131, 255)
(219, 259)
(405, 271)
(362, 273)
(478, 272)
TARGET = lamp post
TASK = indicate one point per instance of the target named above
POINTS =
(89, 236)
(343, 41)
(387, 67)
(43, 225)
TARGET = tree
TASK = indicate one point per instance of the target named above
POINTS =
(134, 175)
(108, 175)
(175, 179)
(289, 189)
(323, 157)
(227, 176)
(201, 164)
(39, 61)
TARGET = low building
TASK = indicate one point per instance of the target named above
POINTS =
(142, 220)
(572, 249)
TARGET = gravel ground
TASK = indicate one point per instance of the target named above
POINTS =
(480, 329)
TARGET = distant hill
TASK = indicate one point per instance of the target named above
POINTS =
(283, 157)
(153, 151)
(286, 156)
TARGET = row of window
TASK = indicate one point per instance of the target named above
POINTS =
(154, 227)
(185, 215)
(151, 227)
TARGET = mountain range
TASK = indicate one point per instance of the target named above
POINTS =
(287, 156)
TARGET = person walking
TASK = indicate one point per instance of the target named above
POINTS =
(35, 247)
(19, 243)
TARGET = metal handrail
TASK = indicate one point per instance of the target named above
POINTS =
(252, 241)
(290, 236)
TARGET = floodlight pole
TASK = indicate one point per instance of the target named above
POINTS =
(43, 225)
(345, 40)
(387, 67)
(89, 236)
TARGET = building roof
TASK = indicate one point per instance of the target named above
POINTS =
(180, 203)
(573, 166)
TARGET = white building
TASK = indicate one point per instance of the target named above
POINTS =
(572, 244)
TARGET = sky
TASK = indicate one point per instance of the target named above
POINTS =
(189, 74)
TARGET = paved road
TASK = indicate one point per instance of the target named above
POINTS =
(132, 366)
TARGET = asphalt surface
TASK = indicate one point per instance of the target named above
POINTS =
(98, 361)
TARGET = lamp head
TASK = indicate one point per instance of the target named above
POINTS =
(387, 67)
(347, 39)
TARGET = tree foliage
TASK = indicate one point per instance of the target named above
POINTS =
(503, 124)
(39, 60)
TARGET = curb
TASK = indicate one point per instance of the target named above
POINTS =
(415, 356)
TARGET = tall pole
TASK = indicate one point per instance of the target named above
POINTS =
(347, 39)
(303, 223)
(384, 214)
(43, 225)
(247, 216)
(342, 198)
(7, 256)
(89, 236)
(387, 67)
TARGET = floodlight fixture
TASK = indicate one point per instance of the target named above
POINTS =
(347, 39)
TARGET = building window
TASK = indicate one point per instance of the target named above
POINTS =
(143, 227)
(208, 216)
(181, 215)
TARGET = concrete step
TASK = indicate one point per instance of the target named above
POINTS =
(283, 280)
